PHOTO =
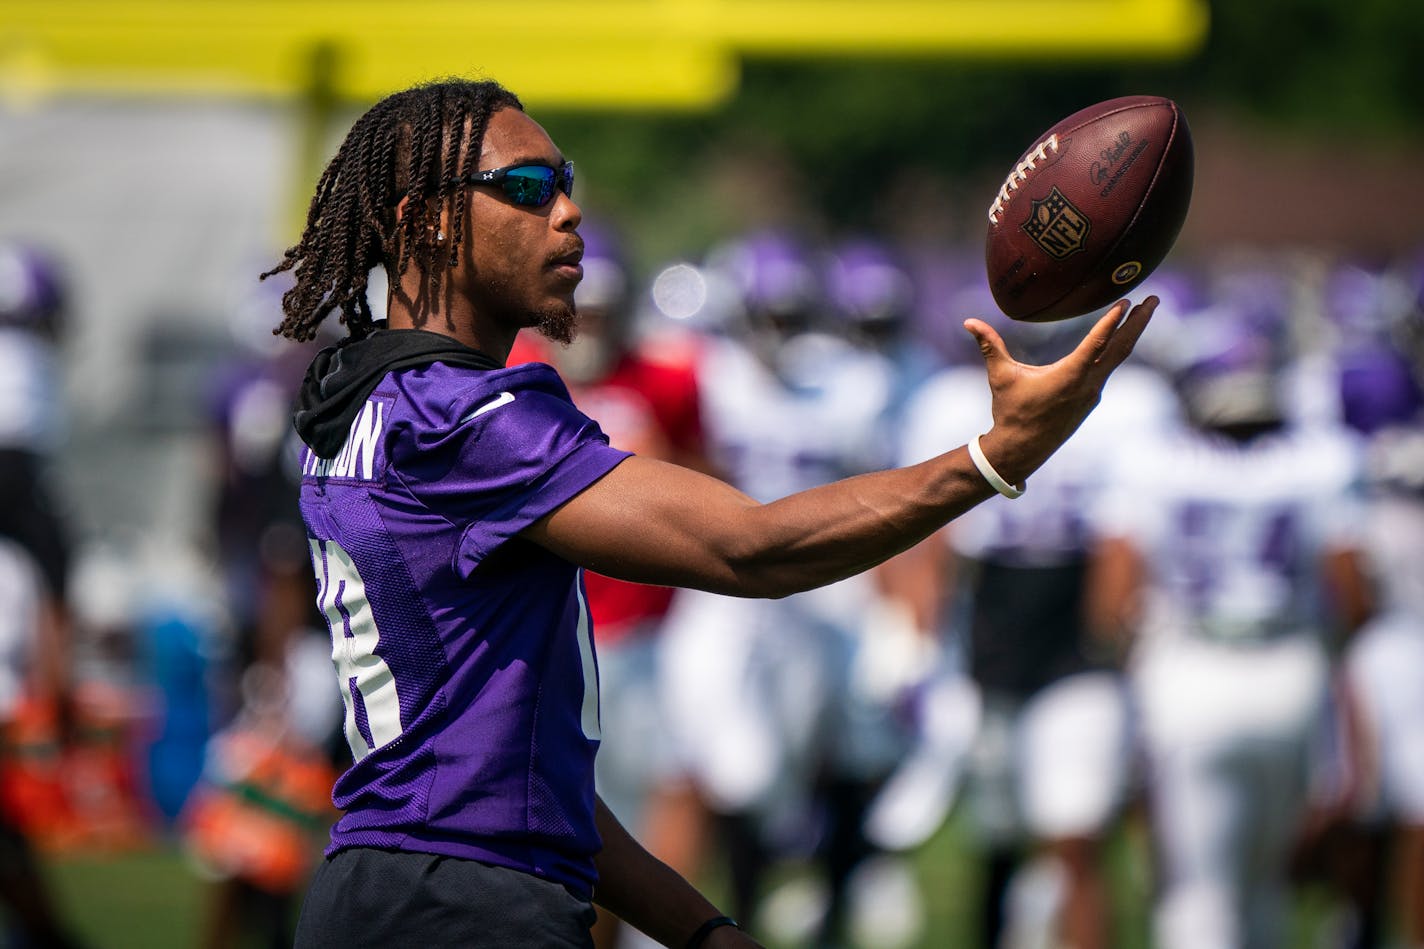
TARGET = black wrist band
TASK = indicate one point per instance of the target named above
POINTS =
(702, 932)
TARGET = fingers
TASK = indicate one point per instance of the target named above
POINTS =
(1112, 338)
(1107, 344)
(1095, 343)
(991, 344)
(1128, 332)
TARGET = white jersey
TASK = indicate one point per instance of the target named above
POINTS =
(1138, 403)
(1230, 676)
(818, 418)
(1233, 534)
(30, 393)
(1050, 756)
(754, 685)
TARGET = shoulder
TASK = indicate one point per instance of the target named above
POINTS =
(472, 441)
(441, 396)
(517, 419)
(1136, 402)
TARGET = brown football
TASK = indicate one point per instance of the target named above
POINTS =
(1087, 212)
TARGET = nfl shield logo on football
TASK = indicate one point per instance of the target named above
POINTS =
(1057, 226)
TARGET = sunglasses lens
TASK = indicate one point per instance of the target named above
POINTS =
(566, 178)
(531, 186)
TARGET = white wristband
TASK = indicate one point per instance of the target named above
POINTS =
(996, 480)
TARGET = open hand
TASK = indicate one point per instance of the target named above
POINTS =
(1036, 408)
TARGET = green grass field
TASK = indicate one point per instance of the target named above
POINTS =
(148, 900)
(154, 900)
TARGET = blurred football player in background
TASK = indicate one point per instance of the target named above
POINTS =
(784, 747)
(873, 298)
(1374, 820)
(36, 628)
(33, 303)
(1228, 555)
(883, 677)
(32, 315)
(253, 820)
(1049, 766)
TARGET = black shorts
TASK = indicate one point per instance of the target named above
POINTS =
(30, 517)
(386, 899)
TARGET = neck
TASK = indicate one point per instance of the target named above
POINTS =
(408, 307)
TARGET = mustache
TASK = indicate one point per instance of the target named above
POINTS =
(570, 252)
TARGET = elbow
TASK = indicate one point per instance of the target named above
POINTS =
(754, 568)
(777, 571)
(757, 579)
(761, 557)
(771, 588)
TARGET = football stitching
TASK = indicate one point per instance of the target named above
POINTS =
(1019, 173)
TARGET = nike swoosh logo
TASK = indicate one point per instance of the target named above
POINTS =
(504, 398)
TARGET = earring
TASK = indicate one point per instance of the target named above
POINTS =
(439, 236)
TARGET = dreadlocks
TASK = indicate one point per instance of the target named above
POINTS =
(410, 145)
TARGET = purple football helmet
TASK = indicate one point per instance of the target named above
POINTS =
(604, 301)
(31, 289)
(1182, 293)
(1228, 368)
(1258, 295)
(1360, 299)
(774, 276)
(1180, 290)
(1378, 389)
(869, 287)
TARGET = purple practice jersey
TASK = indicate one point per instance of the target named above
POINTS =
(465, 653)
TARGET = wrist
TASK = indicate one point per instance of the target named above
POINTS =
(701, 934)
(991, 471)
(1007, 449)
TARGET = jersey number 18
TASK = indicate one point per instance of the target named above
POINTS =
(367, 686)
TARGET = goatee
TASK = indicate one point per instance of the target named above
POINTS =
(558, 324)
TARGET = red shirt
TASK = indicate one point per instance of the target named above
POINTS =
(648, 405)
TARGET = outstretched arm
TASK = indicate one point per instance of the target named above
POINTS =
(657, 523)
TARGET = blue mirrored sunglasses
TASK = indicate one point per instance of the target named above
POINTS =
(531, 185)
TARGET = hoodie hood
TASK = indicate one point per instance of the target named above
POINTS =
(342, 377)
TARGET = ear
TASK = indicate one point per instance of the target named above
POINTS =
(442, 227)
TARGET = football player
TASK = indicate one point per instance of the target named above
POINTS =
(452, 502)
(1049, 766)
(761, 685)
(1228, 554)
(1374, 821)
